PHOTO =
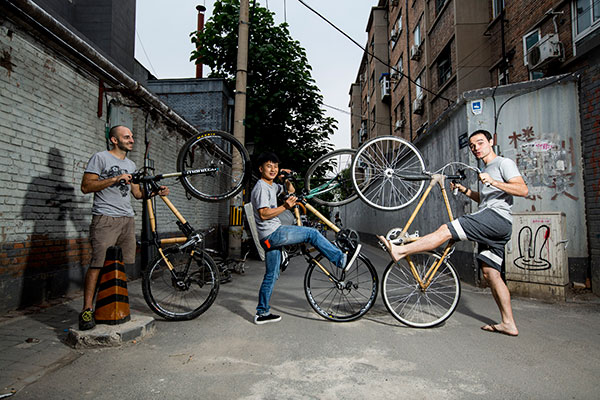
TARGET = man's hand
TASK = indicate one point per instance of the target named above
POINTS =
(164, 191)
(486, 179)
(290, 202)
(125, 178)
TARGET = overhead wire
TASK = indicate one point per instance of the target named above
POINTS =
(371, 54)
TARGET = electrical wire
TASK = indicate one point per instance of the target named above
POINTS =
(371, 54)
(146, 54)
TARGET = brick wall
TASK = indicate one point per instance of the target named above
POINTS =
(48, 130)
(589, 98)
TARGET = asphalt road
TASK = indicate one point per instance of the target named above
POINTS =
(223, 355)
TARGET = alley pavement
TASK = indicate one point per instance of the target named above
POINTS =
(223, 355)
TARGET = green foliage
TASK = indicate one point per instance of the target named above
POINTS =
(284, 107)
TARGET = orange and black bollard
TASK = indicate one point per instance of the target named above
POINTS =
(112, 300)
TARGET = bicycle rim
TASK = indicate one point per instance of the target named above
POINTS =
(224, 155)
(379, 169)
(187, 296)
(418, 308)
(336, 164)
(342, 304)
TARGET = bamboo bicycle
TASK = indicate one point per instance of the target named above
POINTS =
(423, 289)
(182, 282)
(335, 294)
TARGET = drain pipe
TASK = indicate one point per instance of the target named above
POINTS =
(40, 16)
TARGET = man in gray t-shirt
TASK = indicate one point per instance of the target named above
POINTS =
(491, 226)
(108, 175)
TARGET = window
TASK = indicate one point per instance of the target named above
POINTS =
(528, 41)
(444, 65)
(438, 5)
(417, 34)
(419, 89)
(586, 17)
(399, 21)
(503, 77)
(400, 111)
(497, 7)
(373, 118)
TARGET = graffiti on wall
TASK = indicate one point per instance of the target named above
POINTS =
(533, 249)
(546, 161)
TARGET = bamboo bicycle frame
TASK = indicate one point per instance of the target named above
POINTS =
(179, 239)
(424, 283)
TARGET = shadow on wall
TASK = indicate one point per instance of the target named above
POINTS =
(52, 260)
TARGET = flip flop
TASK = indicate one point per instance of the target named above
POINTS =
(388, 247)
(492, 328)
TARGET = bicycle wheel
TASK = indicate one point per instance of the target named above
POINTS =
(187, 291)
(215, 166)
(346, 301)
(408, 303)
(333, 168)
(387, 173)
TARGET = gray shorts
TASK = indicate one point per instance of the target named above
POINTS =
(108, 231)
(489, 229)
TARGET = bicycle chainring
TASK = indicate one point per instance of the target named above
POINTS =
(347, 240)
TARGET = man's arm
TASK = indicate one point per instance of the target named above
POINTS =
(473, 195)
(515, 186)
(91, 182)
(269, 213)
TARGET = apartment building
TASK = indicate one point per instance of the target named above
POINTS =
(430, 52)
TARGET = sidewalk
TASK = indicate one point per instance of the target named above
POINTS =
(33, 341)
(32, 344)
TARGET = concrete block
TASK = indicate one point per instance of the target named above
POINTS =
(537, 290)
(112, 335)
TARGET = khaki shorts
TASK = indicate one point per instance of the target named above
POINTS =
(108, 231)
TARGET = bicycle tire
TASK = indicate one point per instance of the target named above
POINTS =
(214, 149)
(337, 162)
(347, 303)
(200, 278)
(380, 172)
(412, 306)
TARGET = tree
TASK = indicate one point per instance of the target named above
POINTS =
(284, 107)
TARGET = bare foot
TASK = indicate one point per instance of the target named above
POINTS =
(394, 254)
(500, 328)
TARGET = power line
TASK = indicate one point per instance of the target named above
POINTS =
(146, 54)
(371, 54)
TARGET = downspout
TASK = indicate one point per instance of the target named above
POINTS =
(40, 16)
(410, 114)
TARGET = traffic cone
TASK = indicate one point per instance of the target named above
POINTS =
(112, 301)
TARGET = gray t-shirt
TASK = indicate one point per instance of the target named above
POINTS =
(265, 196)
(115, 200)
(500, 169)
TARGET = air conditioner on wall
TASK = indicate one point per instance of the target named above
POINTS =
(399, 124)
(418, 106)
(394, 35)
(548, 48)
(415, 52)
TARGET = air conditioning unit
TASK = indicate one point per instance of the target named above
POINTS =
(547, 49)
(394, 34)
(415, 52)
(368, 99)
(399, 124)
(418, 106)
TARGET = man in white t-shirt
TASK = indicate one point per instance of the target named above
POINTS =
(273, 235)
(108, 175)
(491, 226)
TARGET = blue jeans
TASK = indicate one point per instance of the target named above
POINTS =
(288, 235)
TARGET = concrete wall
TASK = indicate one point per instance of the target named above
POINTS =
(540, 129)
(49, 128)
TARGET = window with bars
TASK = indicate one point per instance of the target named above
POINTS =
(444, 65)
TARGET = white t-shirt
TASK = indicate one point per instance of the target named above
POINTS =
(500, 169)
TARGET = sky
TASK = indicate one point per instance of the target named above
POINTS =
(163, 43)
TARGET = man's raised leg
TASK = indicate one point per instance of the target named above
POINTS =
(425, 243)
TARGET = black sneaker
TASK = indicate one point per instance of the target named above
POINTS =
(352, 257)
(86, 320)
(265, 319)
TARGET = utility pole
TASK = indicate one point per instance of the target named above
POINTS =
(239, 129)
